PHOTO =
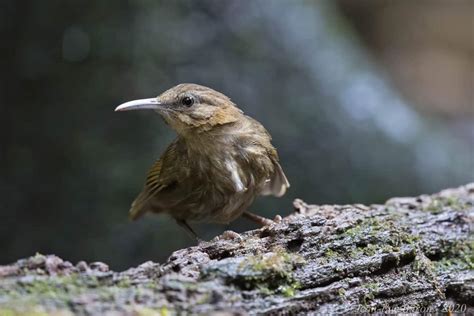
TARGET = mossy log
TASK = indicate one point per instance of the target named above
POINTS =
(410, 254)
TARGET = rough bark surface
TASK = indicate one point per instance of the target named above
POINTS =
(410, 254)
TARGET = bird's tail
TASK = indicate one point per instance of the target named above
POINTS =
(139, 206)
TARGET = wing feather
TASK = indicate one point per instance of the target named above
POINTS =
(157, 180)
(277, 184)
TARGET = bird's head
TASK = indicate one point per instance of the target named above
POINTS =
(189, 108)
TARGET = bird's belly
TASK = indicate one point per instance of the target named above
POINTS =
(233, 208)
(219, 192)
(212, 205)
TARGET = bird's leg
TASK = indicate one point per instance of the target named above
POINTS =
(189, 230)
(257, 219)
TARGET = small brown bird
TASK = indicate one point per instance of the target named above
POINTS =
(220, 161)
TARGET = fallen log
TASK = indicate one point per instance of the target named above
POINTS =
(408, 255)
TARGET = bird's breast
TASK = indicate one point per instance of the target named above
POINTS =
(223, 173)
(222, 179)
(231, 166)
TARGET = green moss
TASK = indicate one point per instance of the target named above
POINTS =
(125, 283)
(57, 291)
(458, 256)
(330, 254)
(58, 286)
(452, 265)
(164, 311)
(276, 262)
(372, 288)
(144, 311)
(369, 227)
(374, 236)
(341, 292)
(371, 249)
(289, 290)
(354, 231)
(270, 273)
(439, 204)
(453, 201)
(355, 252)
(31, 311)
(434, 207)
(422, 264)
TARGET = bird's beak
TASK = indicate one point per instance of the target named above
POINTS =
(142, 104)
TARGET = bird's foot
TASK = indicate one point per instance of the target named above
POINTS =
(277, 219)
(262, 221)
(228, 235)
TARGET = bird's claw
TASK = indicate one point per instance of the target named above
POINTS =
(277, 219)
(229, 235)
(269, 223)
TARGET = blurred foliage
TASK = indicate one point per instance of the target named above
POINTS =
(70, 166)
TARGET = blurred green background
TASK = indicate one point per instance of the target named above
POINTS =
(365, 100)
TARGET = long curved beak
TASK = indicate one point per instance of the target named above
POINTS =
(142, 104)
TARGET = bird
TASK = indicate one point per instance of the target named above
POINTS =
(220, 161)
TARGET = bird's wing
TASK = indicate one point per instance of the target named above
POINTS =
(277, 184)
(157, 180)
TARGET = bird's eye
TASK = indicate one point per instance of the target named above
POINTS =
(187, 101)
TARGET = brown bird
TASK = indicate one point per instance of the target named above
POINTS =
(221, 160)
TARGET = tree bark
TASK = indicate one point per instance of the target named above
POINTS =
(408, 255)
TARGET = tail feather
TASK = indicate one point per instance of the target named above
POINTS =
(139, 206)
(277, 184)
